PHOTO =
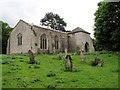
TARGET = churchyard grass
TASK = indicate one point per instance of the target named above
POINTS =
(49, 72)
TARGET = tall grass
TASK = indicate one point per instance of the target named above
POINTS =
(50, 73)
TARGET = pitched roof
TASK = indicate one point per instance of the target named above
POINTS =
(78, 29)
(42, 27)
(45, 28)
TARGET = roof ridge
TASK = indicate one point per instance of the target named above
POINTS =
(78, 29)
(48, 28)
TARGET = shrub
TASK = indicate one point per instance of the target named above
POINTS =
(19, 68)
(36, 66)
(76, 70)
(9, 71)
(38, 63)
(13, 57)
(97, 62)
(60, 80)
(18, 78)
(109, 55)
(30, 66)
(12, 68)
(35, 80)
(51, 73)
(24, 85)
(11, 64)
(103, 52)
(116, 71)
(60, 57)
(6, 61)
(74, 80)
(21, 60)
(3, 83)
(51, 86)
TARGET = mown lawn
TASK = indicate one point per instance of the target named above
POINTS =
(50, 73)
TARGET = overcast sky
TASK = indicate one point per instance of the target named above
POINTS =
(76, 13)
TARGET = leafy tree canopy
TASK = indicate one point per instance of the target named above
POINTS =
(54, 21)
(6, 29)
(107, 26)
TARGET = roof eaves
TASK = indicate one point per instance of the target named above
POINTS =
(72, 32)
(48, 29)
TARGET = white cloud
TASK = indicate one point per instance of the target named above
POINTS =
(75, 12)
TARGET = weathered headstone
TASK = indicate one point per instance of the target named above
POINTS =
(100, 63)
(54, 50)
(65, 52)
(68, 63)
(97, 62)
(31, 56)
(82, 57)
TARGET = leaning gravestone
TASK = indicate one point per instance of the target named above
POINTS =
(100, 63)
(68, 63)
(31, 56)
(97, 62)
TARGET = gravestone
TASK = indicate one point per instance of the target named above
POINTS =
(54, 50)
(97, 62)
(100, 63)
(31, 57)
(68, 63)
(65, 52)
(82, 57)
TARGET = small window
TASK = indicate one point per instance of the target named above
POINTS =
(19, 37)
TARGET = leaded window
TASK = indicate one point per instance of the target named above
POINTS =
(56, 42)
(43, 41)
(19, 38)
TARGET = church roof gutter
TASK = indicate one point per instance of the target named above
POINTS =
(48, 29)
(78, 29)
(72, 32)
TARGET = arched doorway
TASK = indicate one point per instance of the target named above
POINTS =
(86, 47)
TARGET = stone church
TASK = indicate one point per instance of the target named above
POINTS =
(39, 39)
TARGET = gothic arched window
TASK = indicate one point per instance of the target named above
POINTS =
(43, 41)
(19, 37)
(56, 42)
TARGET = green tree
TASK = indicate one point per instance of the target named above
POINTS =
(107, 26)
(54, 21)
(6, 29)
(0, 37)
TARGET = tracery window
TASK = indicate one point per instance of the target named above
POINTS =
(43, 41)
(56, 42)
(19, 37)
